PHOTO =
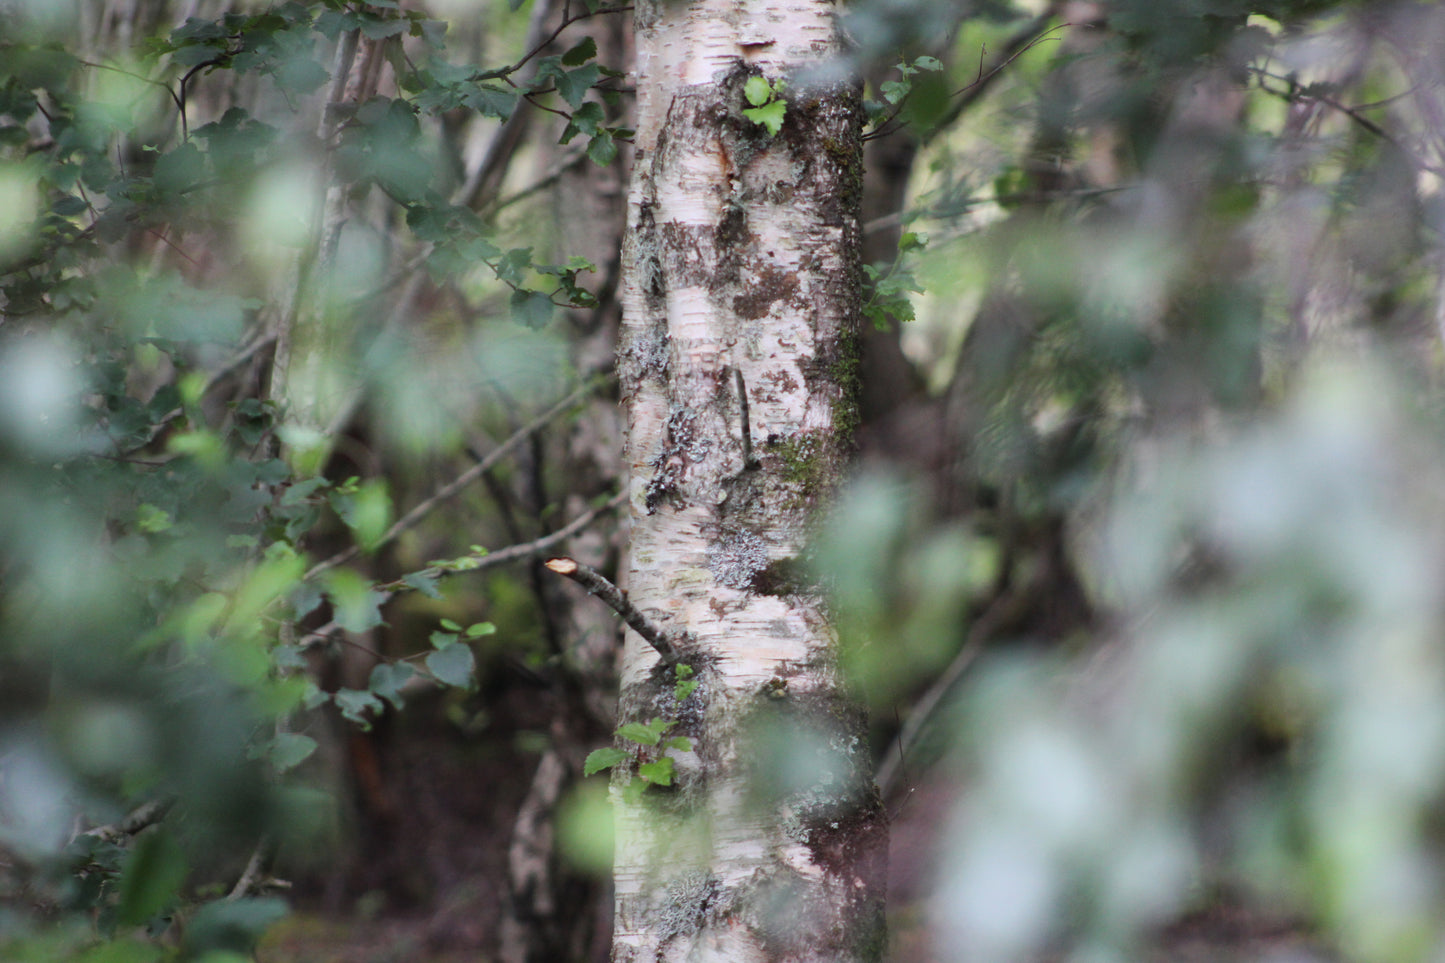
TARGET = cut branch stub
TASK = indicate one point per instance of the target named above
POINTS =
(597, 584)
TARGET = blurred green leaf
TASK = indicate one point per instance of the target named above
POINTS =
(453, 665)
(232, 926)
(151, 878)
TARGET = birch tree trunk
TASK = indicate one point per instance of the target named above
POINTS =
(741, 296)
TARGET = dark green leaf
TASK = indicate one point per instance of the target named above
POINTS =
(602, 149)
(151, 878)
(574, 84)
(356, 704)
(232, 926)
(580, 53)
(179, 170)
(491, 101)
(453, 665)
(531, 309)
(388, 678)
(375, 28)
(289, 750)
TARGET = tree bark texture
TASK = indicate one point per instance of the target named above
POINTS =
(737, 360)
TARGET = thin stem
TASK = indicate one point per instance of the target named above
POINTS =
(425, 507)
(479, 563)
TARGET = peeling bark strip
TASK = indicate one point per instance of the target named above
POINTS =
(741, 298)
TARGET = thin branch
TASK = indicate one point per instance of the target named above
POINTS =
(425, 507)
(480, 563)
(998, 612)
(567, 21)
(251, 876)
(1035, 33)
(142, 817)
(596, 584)
(1296, 92)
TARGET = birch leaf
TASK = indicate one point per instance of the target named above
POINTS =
(604, 758)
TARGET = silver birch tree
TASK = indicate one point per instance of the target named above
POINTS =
(763, 838)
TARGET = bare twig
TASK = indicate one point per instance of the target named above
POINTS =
(425, 507)
(479, 563)
(596, 584)
(1033, 34)
(250, 877)
(1000, 611)
(142, 817)
(1295, 92)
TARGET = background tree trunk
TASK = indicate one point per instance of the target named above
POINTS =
(741, 297)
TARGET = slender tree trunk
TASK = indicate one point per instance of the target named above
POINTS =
(738, 352)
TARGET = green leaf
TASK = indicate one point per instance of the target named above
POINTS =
(367, 512)
(453, 665)
(574, 84)
(356, 703)
(425, 584)
(357, 604)
(602, 149)
(769, 116)
(586, 119)
(478, 629)
(757, 90)
(151, 878)
(531, 309)
(604, 758)
(289, 750)
(912, 241)
(647, 734)
(388, 678)
(928, 63)
(492, 101)
(513, 264)
(580, 53)
(180, 169)
(632, 792)
(680, 743)
(231, 926)
(659, 773)
(442, 640)
(895, 90)
(375, 28)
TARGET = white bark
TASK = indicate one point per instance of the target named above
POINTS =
(740, 302)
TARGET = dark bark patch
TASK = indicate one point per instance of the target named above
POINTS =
(767, 288)
(784, 576)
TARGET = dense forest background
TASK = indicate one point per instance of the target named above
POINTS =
(307, 328)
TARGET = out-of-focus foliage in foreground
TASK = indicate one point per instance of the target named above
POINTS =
(177, 210)
(1200, 552)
